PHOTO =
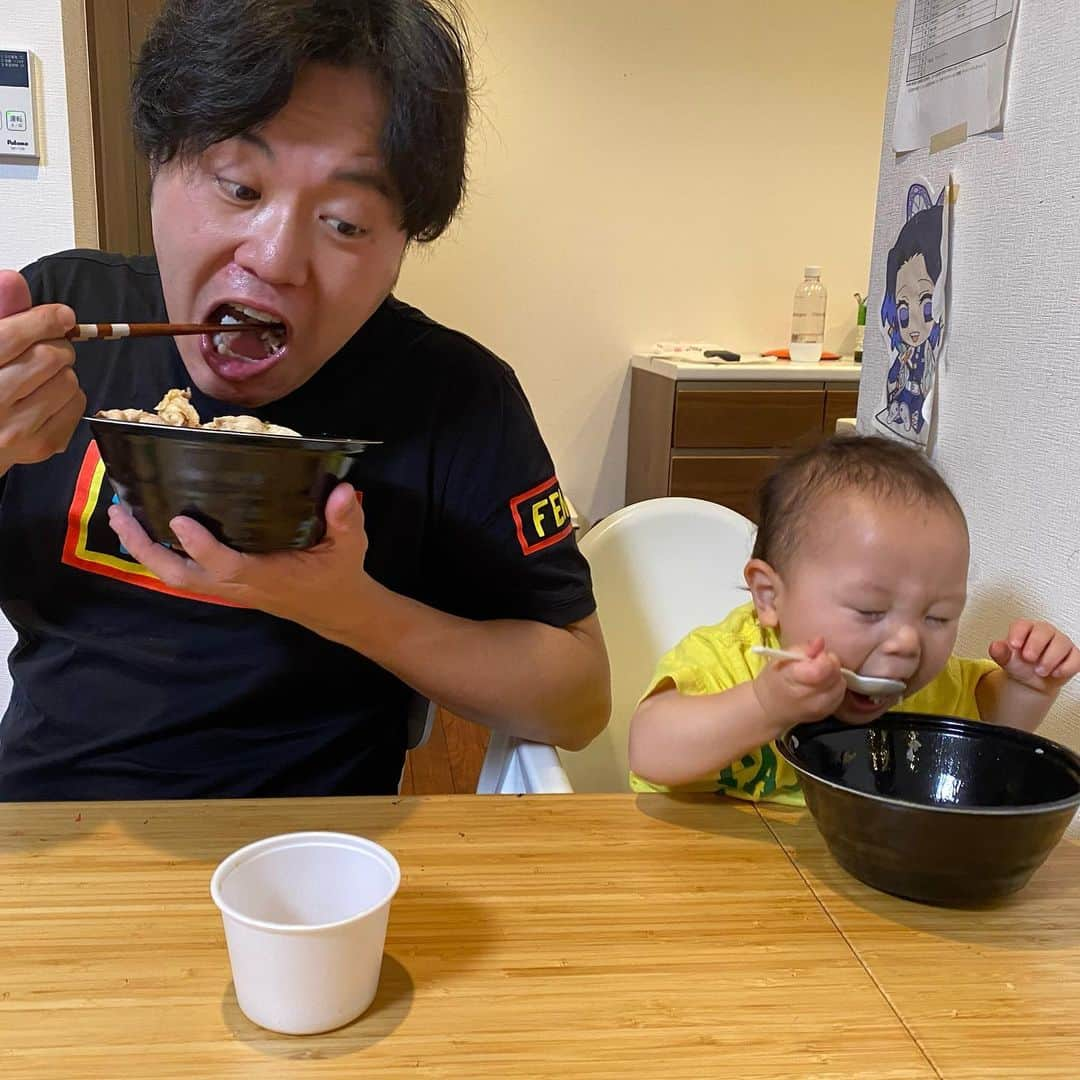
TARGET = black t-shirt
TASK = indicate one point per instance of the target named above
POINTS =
(125, 690)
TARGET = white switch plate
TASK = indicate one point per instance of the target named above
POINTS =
(18, 132)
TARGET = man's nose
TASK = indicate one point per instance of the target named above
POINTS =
(275, 248)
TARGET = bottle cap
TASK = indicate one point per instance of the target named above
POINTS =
(813, 271)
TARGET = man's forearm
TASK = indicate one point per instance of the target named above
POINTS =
(531, 680)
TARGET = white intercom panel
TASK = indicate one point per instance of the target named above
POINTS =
(17, 131)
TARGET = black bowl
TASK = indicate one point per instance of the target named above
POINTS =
(934, 808)
(256, 493)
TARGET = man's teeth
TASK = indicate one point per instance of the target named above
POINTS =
(254, 313)
(272, 339)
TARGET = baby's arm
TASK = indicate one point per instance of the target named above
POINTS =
(676, 738)
(1035, 661)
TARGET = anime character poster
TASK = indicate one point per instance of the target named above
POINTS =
(913, 315)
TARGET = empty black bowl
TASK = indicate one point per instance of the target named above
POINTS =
(256, 493)
(934, 808)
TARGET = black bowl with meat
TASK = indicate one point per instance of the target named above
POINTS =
(255, 492)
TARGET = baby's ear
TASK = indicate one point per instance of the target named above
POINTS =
(764, 585)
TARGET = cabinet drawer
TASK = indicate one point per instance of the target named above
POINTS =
(838, 404)
(746, 419)
(732, 481)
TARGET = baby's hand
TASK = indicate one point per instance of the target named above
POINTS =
(1037, 655)
(801, 691)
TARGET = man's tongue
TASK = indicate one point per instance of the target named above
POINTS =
(248, 344)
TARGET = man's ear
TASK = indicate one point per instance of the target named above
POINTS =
(766, 589)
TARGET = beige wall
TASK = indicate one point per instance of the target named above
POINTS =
(648, 170)
(50, 205)
(1009, 385)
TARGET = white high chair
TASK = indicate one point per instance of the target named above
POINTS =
(8, 638)
(660, 568)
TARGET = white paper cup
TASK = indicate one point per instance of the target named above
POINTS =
(305, 919)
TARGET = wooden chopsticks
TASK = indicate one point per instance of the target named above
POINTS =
(115, 331)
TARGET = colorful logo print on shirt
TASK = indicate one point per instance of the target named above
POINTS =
(91, 545)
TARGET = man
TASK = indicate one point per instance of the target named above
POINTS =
(297, 148)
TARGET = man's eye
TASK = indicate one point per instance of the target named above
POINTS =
(240, 192)
(344, 228)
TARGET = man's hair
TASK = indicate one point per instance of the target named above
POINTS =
(865, 465)
(213, 69)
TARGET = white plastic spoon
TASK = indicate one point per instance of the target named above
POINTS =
(869, 685)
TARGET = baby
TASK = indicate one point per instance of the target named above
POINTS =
(860, 561)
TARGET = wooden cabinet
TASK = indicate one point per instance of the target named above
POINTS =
(719, 440)
(731, 479)
(838, 404)
(752, 419)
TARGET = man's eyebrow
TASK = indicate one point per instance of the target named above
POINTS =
(368, 178)
(364, 177)
(256, 140)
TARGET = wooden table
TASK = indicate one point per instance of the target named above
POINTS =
(549, 936)
(985, 994)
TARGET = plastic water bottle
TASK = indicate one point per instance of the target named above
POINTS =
(808, 318)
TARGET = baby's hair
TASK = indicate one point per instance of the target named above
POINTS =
(867, 465)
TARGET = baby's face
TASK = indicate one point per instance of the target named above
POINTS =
(884, 585)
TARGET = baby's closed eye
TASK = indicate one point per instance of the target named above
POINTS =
(869, 614)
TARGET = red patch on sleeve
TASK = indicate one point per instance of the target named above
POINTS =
(541, 517)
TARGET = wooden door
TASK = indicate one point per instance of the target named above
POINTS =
(115, 30)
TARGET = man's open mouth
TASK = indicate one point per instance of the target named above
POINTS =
(250, 345)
